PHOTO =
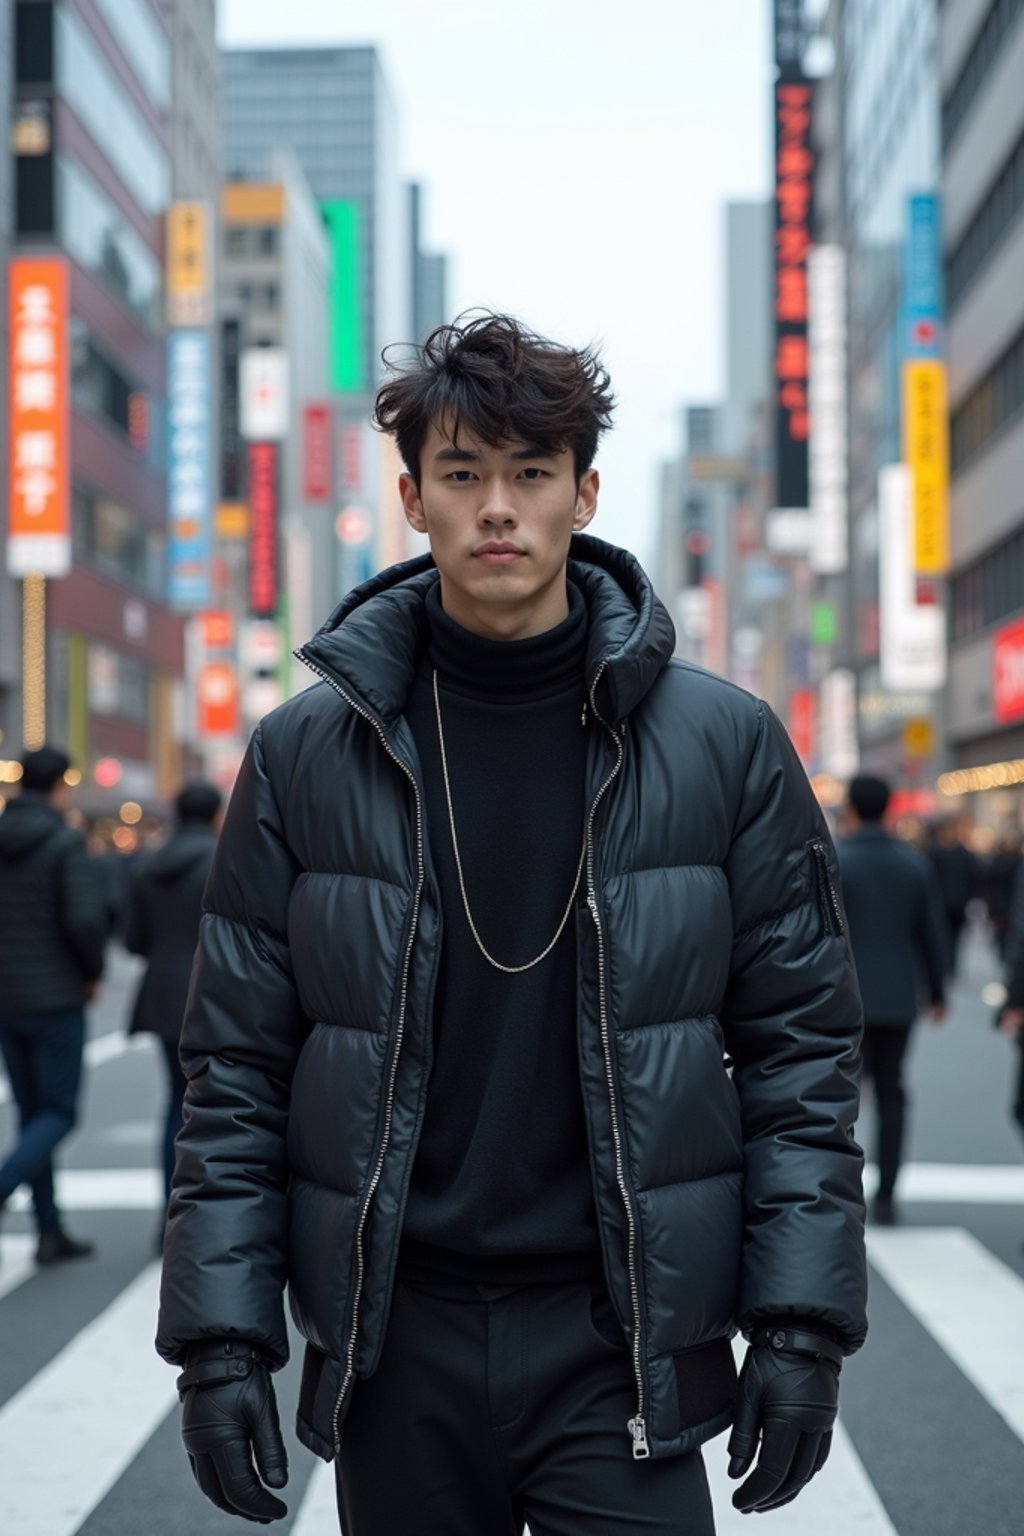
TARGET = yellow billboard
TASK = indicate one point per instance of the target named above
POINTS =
(926, 455)
(188, 264)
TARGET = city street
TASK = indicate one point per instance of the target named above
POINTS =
(932, 1421)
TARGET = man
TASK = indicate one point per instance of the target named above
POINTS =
(53, 927)
(494, 911)
(892, 905)
(164, 904)
(956, 870)
(1011, 1018)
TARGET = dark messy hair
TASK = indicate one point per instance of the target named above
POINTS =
(489, 373)
(868, 796)
(43, 767)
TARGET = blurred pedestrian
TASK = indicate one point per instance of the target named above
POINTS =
(1011, 1019)
(999, 877)
(162, 924)
(53, 927)
(491, 905)
(957, 871)
(895, 926)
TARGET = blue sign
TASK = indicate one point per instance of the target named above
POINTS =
(922, 277)
(189, 458)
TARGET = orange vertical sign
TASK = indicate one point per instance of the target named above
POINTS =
(39, 537)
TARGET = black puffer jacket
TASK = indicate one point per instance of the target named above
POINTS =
(53, 918)
(713, 927)
(164, 904)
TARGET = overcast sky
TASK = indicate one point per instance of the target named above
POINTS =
(577, 155)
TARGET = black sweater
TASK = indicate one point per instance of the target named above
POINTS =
(501, 1187)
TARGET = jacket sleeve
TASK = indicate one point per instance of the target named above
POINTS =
(225, 1248)
(792, 1021)
(83, 910)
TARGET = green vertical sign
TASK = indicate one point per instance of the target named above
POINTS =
(823, 623)
(342, 218)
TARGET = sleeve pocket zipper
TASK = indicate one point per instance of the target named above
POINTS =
(828, 897)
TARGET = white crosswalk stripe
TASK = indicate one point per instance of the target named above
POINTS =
(969, 1301)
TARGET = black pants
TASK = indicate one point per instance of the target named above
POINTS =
(43, 1056)
(1018, 1103)
(885, 1046)
(494, 1406)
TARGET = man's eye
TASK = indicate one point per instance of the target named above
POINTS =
(531, 472)
(461, 476)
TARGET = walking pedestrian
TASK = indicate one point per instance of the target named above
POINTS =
(522, 1040)
(53, 927)
(956, 870)
(162, 924)
(892, 905)
(999, 878)
(1011, 1018)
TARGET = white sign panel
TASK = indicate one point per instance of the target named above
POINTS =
(837, 714)
(912, 635)
(787, 531)
(826, 288)
(263, 390)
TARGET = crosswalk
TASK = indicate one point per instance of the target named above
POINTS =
(105, 1400)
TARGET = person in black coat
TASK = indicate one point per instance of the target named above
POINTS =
(164, 905)
(53, 928)
(895, 923)
(1011, 1019)
(957, 873)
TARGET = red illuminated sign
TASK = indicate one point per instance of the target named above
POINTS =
(1008, 673)
(801, 723)
(317, 455)
(263, 529)
(794, 181)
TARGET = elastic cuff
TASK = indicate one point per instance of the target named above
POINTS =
(783, 1340)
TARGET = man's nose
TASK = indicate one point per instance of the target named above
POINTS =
(497, 505)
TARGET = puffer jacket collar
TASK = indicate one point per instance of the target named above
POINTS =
(372, 642)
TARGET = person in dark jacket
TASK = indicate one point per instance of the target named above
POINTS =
(53, 928)
(892, 906)
(1011, 1018)
(998, 882)
(957, 872)
(523, 1037)
(162, 924)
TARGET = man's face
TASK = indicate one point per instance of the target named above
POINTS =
(499, 521)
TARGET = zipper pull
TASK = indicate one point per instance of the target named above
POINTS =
(638, 1433)
(583, 717)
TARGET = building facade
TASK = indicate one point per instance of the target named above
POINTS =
(982, 67)
(93, 174)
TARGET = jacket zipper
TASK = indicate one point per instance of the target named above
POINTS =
(399, 1036)
(637, 1425)
(828, 897)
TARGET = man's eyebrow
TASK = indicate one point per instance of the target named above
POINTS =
(533, 451)
(452, 455)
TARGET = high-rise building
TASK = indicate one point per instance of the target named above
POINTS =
(274, 280)
(876, 136)
(428, 274)
(332, 108)
(982, 67)
(93, 173)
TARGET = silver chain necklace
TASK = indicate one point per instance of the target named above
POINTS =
(510, 970)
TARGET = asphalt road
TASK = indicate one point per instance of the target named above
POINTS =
(932, 1420)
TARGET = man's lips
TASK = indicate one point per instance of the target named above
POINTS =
(498, 554)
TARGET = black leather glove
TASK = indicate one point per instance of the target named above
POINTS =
(787, 1399)
(228, 1420)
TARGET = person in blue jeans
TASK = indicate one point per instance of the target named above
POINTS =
(53, 929)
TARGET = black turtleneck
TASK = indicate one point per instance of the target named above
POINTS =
(501, 1186)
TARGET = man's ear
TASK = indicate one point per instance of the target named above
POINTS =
(586, 499)
(412, 506)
